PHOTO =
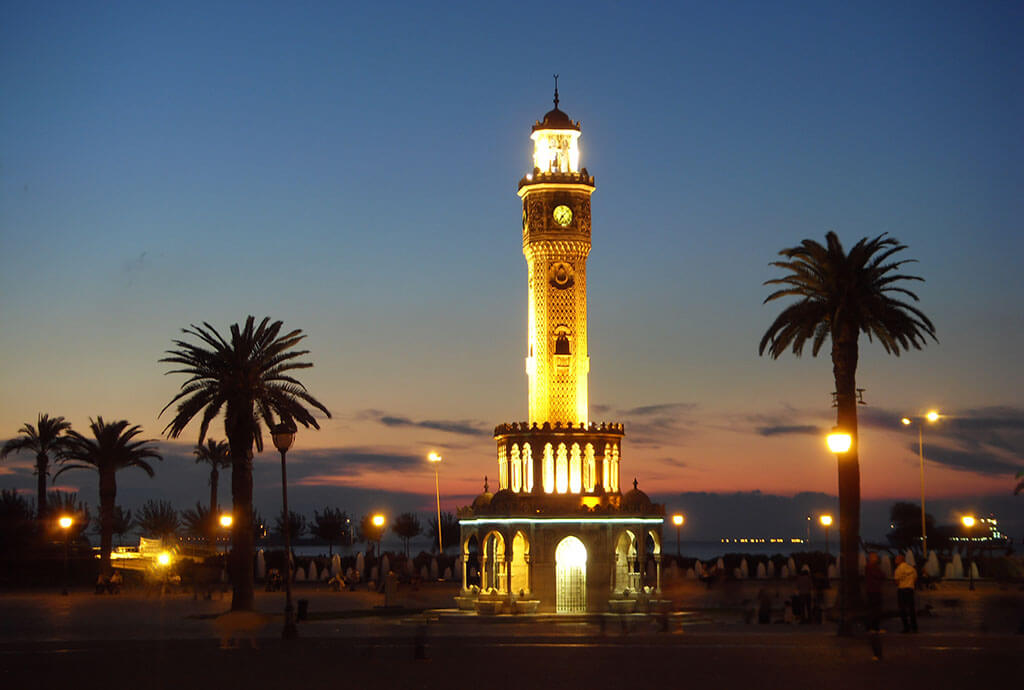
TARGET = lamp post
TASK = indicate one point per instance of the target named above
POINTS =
(932, 417)
(284, 436)
(678, 521)
(225, 522)
(968, 522)
(378, 522)
(65, 523)
(826, 522)
(839, 442)
(435, 460)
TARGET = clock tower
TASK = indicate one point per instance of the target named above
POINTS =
(556, 242)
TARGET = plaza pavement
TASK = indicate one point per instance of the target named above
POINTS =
(141, 639)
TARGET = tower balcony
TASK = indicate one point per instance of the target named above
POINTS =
(537, 177)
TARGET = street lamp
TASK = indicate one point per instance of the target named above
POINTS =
(284, 435)
(225, 522)
(435, 460)
(839, 442)
(678, 521)
(65, 522)
(932, 416)
(378, 522)
(826, 522)
(968, 522)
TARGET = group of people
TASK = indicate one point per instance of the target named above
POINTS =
(109, 584)
(906, 581)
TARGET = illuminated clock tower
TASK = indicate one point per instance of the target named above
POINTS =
(556, 242)
(559, 534)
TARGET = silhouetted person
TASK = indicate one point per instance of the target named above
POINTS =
(804, 585)
(906, 579)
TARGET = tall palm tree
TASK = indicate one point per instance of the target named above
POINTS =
(218, 455)
(44, 439)
(246, 377)
(111, 449)
(840, 296)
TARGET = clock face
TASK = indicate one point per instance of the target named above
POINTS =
(562, 215)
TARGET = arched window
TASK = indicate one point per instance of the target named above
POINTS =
(606, 467)
(589, 468)
(527, 468)
(614, 474)
(517, 472)
(549, 469)
(575, 470)
(562, 345)
(502, 468)
(562, 470)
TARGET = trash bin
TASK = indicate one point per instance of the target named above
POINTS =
(303, 612)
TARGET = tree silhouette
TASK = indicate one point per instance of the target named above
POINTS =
(449, 528)
(159, 520)
(17, 524)
(296, 524)
(60, 503)
(123, 523)
(218, 455)
(905, 519)
(369, 532)
(332, 525)
(247, 378)
(44, 440)
(112, 448)
(840, 296)
(407, 526)
(198, 521)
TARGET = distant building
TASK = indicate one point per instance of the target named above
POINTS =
(559, 531)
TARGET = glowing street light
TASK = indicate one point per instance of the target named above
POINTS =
(226, 520)
(826, 522)
(932, 416)
(839, 441)
(164, 559)
(678, 521)
(378, 521)
(435, 460)
(969, 522)
(65, 522)
(284, 435)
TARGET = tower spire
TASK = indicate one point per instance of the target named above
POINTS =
(556, 92)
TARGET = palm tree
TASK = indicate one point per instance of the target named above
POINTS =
(248, 379)
(112, 448)
(218, 455)
(43, 439)
(841, 296)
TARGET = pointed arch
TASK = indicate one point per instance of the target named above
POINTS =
(549, 469)
(575, 470)
(527, 460)
(562, 470)
(517, 470)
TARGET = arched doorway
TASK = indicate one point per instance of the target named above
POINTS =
(626, 574)
(492, 563)
(520, 564)
(571, 576)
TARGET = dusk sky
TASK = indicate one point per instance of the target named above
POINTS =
(351, 169)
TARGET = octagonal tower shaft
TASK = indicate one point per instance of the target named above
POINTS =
(556, 243)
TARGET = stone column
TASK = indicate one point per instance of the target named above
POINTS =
(657, 568)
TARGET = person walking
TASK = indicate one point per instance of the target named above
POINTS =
(906, 580)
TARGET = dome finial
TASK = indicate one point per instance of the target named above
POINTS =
(556, 92)
(485, 484)
(634, 483)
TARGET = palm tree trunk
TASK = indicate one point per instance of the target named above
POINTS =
(242, 595)
(108, 497)
(42, 464)
(844, 368)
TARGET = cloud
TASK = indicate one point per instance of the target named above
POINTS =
(337, 465)
(977, 461)
(462, 426)
(658, 410)
(782, 429)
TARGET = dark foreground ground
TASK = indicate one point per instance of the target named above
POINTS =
(143, 640)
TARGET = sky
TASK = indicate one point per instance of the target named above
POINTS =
(351, 169)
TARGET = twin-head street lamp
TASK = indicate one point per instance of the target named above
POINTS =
(65, 522)
(678, 521)
(435, 460)
(826, 522)
(284, 435)
(932, 416)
